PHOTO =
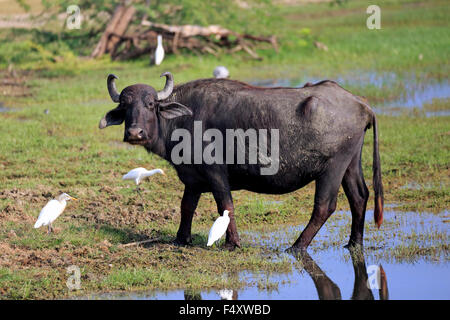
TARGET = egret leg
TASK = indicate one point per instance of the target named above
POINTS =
(50, 228)
(138, 190)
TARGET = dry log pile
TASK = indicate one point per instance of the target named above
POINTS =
(123, 42)
(117, 26)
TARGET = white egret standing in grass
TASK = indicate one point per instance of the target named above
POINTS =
(159, 53)
(52, 210)
(221, 72)
(139, 174)
(219, 228)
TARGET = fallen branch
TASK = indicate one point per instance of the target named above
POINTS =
(139, 242)
(119, 23)
(212, 39)
(251, 52)
(215, 30)
(189, 30)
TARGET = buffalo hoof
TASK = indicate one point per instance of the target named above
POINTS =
(183, 241)
(231, 246)
(352, 245)
(296, 251)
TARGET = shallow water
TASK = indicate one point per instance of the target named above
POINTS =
(423, 186)
(416, 91)
(3, 108)
(330, 272)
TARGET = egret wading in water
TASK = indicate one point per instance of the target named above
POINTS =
(219, 228)
(159, 53)
(52, 210)
(221, 72)
(140, 174)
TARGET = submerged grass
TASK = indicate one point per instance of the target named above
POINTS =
(42, 154)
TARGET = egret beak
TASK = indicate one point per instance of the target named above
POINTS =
(72, 198)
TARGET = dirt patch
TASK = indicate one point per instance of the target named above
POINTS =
(107, 207)
(19, 200)
(13, 7)
(22, 258)
(113, 209)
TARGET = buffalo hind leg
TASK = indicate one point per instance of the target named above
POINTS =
(357, 194)
(327, 187)
(188, 205)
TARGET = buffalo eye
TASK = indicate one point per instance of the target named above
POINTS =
(149, 102)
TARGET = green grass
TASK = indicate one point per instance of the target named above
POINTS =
(409, 29)
(42, 155)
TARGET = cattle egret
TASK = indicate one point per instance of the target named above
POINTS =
(221, 72)
(52, 210)
(218, 228)
(159, 53)
(140, 174)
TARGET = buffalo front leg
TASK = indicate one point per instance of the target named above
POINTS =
(188, 206)
(320, 214)
(225, 202)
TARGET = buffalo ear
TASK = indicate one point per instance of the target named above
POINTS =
(171, 110)
(114, 117)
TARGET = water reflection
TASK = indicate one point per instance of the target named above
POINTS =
(416, 91)
(3, 108)
(328, 290)
(192, 295)
(412, 248)
(224, 294)
(325, 287)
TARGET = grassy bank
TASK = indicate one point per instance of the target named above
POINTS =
(413, 36)
(43, 154)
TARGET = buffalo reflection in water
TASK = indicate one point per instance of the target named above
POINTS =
(326, 288)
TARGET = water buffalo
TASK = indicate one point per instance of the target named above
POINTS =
(320, 131)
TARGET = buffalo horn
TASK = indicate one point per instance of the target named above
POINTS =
(168, 88)
(112, 88)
